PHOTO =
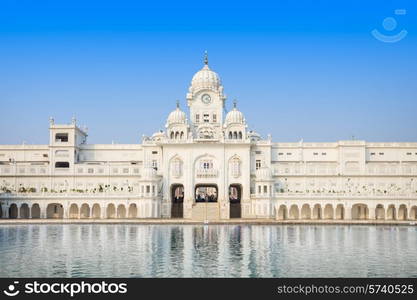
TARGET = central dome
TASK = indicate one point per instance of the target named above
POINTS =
(205, 79)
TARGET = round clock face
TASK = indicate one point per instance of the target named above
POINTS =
(206, 98)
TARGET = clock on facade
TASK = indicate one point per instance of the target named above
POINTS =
(206, 98)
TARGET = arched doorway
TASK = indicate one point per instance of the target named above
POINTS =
(306, 212)
(360, 212)
(85, 211)
(121, 211)
(13, 211)
(402, 212)
(206, 193)
(24, 211)
(111, 211)
(328, 212)
(36, 211)
(380, 212)
(413, 213)
(73, 211)
(340, 212)
(235, 196)
(294, 212)
(133, 211)
(177, 201)
(282, 212)
(96, 211)
(391, 215)
(317, 214)
(54, 211)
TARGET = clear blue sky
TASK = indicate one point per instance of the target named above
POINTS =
(299, 69)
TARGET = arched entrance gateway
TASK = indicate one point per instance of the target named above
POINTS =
(235, 196)
(206, 205)
(177, 201)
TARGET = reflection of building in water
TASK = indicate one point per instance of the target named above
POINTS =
(206, 164)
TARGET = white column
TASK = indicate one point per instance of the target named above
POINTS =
(371, 212)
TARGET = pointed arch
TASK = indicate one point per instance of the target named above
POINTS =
(282, 212)
(306, 212)
(328, 212)
(73, 211)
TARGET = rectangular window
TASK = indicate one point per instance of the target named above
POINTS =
(155, 164)
(197, 118)
(265, 189)
(125, 170)
(154, 152)
(62, 164)
(280, 153)
(61, 137)
(206, 118)
(90, 171)
(115, 171)
(259, 189)
(381, 153)
(214, 118)
(315, 153)
(101, 171)
(408, 153)
(258, 164)
(148, 189)
(324, 153)
(372, 153)
(258, 152)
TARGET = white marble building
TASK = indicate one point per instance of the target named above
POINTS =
(207, 166)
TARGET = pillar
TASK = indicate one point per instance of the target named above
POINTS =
(371, 210)
(348, 212)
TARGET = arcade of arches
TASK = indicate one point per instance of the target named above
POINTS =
(306, 211)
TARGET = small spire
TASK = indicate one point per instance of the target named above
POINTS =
(234, 103)
(178, 103)
(205, 58)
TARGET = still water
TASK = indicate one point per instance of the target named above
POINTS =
(207, 251)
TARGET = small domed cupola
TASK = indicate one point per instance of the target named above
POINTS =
(234, 116)
(177, 116)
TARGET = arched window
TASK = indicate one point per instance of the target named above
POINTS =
(172, 135)
(176, 135)
(176, 167)
(235, 135)
(182, 135)
(240, 135)
(230, 135)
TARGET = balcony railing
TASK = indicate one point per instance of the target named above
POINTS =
(207, 173)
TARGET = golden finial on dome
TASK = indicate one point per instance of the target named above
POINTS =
(178, 103)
